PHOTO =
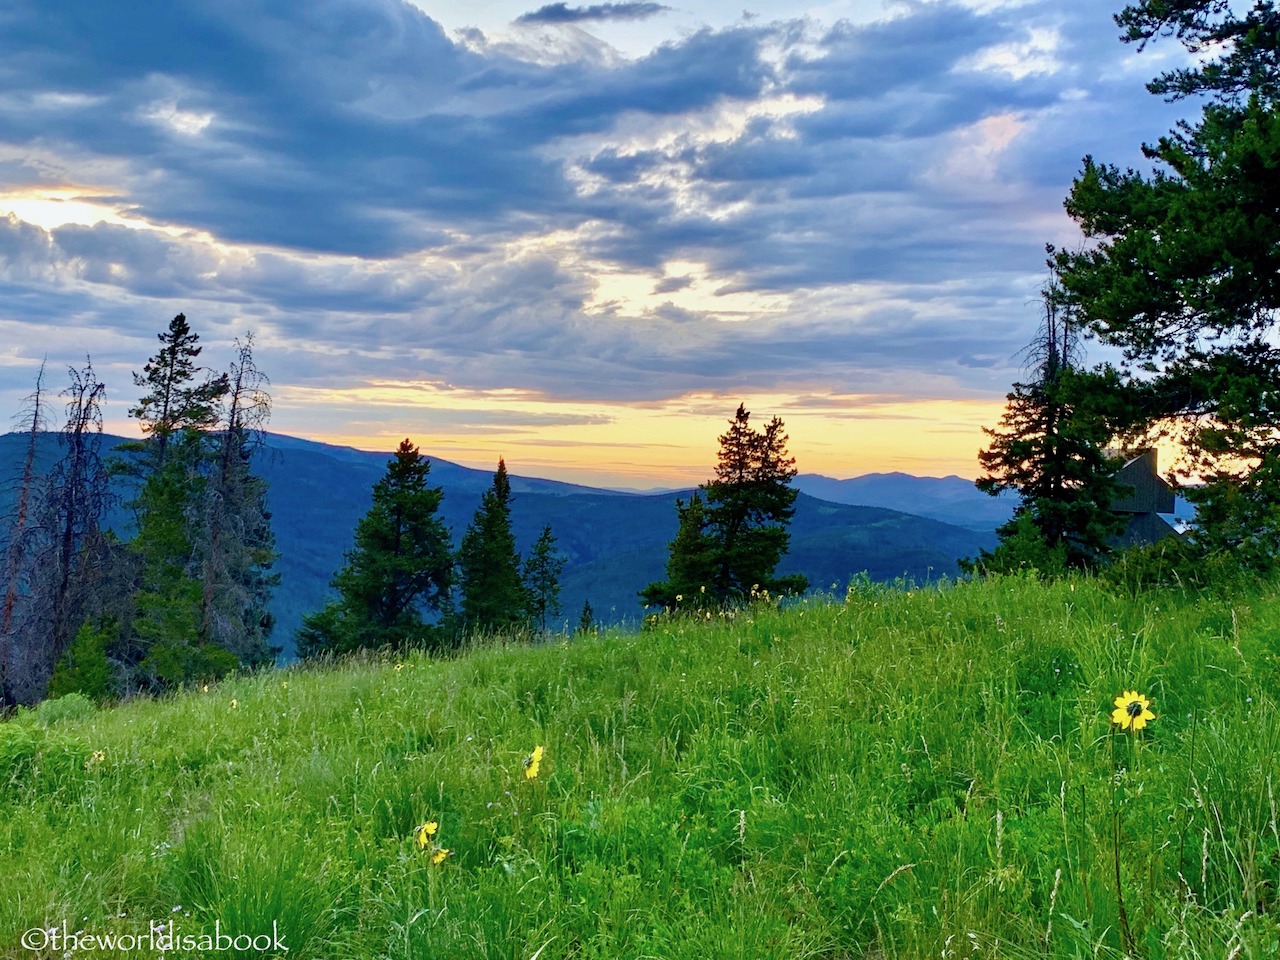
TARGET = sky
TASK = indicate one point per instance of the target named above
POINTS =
(574, 235)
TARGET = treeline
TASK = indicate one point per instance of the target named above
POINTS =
(186, 596)
(402, 584)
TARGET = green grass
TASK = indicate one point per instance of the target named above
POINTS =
(926, 773)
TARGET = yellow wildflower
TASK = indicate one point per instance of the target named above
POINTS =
(439, 856)
(422, 836)
(532, 763)
(1132, 711)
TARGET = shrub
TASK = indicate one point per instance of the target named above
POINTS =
(73, 706)
(84, 668)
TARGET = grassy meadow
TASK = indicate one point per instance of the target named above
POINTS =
(899, 773)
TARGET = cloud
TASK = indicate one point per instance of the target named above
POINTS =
(759, 206)
(672, 284)
(354, 126)
(563, 13)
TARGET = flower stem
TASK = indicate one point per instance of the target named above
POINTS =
(1186, 820)
(1125, 932)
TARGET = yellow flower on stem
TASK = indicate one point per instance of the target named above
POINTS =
(440, 855)
(422, 836)
(532, 763)
(1132, 711)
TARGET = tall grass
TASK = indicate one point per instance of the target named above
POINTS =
(898, 773)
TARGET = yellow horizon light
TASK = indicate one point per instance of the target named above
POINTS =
(662, 443)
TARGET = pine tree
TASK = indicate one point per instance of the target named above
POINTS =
(164, 643)
(1051, 448)
(397, 576)
(728, 548)
(749, 504)
(177, 399)
(587, 618)
(1181, 269)
(693, 561)
(542, 570)
(493, 595)
(168, 648)
(84, 667)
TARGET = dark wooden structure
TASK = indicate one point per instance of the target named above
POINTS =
(1146, 497)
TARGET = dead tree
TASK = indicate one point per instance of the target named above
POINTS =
(238, 546)
(77, 502)
(22, 544)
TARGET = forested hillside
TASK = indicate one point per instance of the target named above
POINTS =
(615, 542)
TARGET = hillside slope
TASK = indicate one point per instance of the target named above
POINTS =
(908, 774)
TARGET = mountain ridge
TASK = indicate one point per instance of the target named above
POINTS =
(951, 499)
(615, 542)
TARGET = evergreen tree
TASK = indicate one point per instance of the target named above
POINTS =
(204, 544)
(1182, 271)
(164, 644)
(1050, 447)
(84, 667)
(542, 570)
(749, 505)
(493, 595)
(177, 399)
(397, 575)
(729, 547)
(586, 619)
(167, 648)
(693, 560)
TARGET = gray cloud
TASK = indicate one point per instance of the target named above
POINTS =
(673, 284)
(563, 13)
(355, 126)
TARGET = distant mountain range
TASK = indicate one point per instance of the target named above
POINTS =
(949, 499)
(615, 542)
